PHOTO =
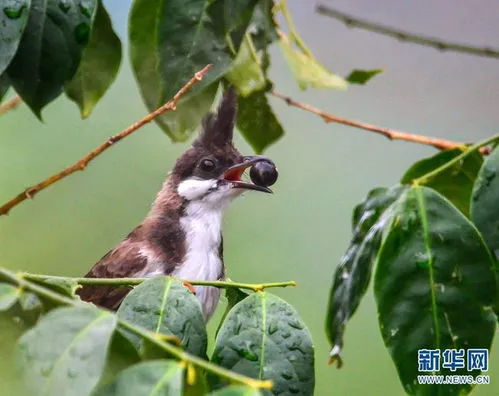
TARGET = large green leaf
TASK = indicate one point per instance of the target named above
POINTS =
(455, 183)
(435, 286)
(233, 296)
(263, 28)
(50, 49)
(171, 40)
(257, 122)
(13, 19)
(4, 85)
(353, 274)
(484, 211)
(65, 353)
(153, 378)
(99, 64)
(236, 390)
(308, 71)
(164, 306)
(263, 337)
(8, 296)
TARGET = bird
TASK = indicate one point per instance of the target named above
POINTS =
(181, 236)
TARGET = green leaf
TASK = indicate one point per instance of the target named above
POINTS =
(353, 274)
(99, 64)
(13, 19)
(308, 71)
(455, 183)
(50, 49)
(485, 198)
(361, 77)
(434, 286)
(154, 378)
(8, 296)
(66, 352)
(164, 306)
(263, 337)
(233, 295)
(170, 41)
(263, 28)
(257, 122)
(246, 71)
(236, 390)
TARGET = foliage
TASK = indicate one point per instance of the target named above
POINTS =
(51, 46)
(435, 279)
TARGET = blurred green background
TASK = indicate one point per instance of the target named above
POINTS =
(302, 230)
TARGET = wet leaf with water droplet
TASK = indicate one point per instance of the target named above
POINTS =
(285, 356)
(159, 377)
(8, 296)
(428, 306)
(13, 20)
(170, 41)
(65, 353)
(233, 295)
(353, 274)
(99, 65)
(164, 306)
(456, 183)
(50, 50)
(484, 209)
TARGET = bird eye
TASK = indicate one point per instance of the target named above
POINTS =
(207, 164)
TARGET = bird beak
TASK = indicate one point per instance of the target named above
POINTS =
(234, 173)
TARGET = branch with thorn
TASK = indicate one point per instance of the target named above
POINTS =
(83, 162)
(441, 45)
(388, 133)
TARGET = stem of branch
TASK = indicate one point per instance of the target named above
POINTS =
(10, 105)
(388, 133)
(137, 281)
(83, 162)
(21, 281)
(470, 150)
(441, 45)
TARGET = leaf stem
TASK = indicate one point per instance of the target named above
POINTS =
(476, 147)
(137, 281)
(20, 280)
(293, 33)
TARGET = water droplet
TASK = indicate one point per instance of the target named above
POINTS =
(344, 275)
(86, 8)
(286, 334)
(393, 332)
(286, 375)
(294, 389)
(82, 32)
(272, 328)
(440, 287)
(423, 259)
(64, 5)
(247, 353)
(295, 324)
(15, 10)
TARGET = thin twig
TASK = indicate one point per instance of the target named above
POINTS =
(39, 290)
(138, 281)
(388, 133)
(351, 21)
(10, 105)
(83, 162)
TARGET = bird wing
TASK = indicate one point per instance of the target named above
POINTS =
(121, 262)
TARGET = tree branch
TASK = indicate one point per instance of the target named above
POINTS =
(177, 352)
(83, 162)
(351, 21)
(10, 105)
(138, 281)
(388, 133)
